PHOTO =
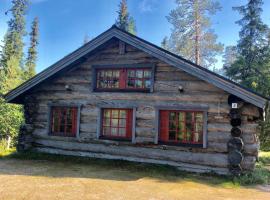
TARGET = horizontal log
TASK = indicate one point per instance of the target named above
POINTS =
(145, 123)
(140, 140)
(145, 132)
(88, 127)
(249, 163)
(181, 166)
(202, 97)
(172, 86)
(251, 110)
(251, 149)
(216, 159)
(174, 76)
(219, 137)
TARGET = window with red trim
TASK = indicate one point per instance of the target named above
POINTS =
(117, 123)
(181, 127)
(124, 79)
(63, 121)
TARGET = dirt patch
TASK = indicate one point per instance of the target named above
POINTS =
(26, 179)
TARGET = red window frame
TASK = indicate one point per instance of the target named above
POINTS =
(63, 121)
(124, 78)
(108, 123)
(195, 137)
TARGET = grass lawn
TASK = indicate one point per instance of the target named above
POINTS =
(42, 176)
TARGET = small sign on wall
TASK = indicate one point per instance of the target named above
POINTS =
(234, 105)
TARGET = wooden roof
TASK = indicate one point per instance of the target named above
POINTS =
(225, 84)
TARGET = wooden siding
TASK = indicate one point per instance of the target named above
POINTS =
(196, 93)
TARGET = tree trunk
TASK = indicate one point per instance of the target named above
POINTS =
(8, 142)
(197, 33)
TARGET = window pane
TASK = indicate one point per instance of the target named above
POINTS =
(114, 131)
(172, 121)
(188, 133)
(181, 131)
(147, 74)
(114, 122)
(172, 135)
(131, 83)
(139, 73)
(55, 121)
(106, 131)
(122, 123)
(147, 84)
(106, 122)
(69, 129)
(107, 113)
(122, 132)
(131, 73)
(181, 116)
(115, 113)
(123, 114)
(199, 117)
(138, 84)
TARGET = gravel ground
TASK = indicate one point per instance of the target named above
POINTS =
(32, 179)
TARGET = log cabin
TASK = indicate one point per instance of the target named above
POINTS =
(121, 97)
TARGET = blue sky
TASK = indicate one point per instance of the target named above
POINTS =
(64, 23)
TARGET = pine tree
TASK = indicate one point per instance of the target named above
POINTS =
(229, 57)
(165, 43)
(12, 51)
(30, 65)
(11, 61)
(251, 68)
(192, 36)
(124, 20)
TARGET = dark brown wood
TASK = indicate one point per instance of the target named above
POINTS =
(236, 122)
(235, 157)
(235, 143)
(236, 132)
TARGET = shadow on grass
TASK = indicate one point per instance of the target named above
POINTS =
(49, 165)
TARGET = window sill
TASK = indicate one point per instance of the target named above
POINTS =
(61, 135)
(123, 90)
(115, 139)
(180, 144)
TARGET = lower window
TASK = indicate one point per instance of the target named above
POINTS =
(181, 127)
(63, 121)
(117, 123)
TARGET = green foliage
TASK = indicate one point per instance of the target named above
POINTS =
(10, 119)
(124, 21)
(265, 130)
(165, 43)
(264, 157)
(192, 36)
(11, 70)
(30, 65)
(251, 68)
(260, 175)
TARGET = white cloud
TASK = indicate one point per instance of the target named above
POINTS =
(148, 5)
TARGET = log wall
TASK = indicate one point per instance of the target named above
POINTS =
(167, 80)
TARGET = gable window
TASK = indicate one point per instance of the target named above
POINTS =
(181, 127)
(63, 121)
(116, 123)
(123, 78)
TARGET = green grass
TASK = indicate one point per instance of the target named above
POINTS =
(3, 149)
(261, 175)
